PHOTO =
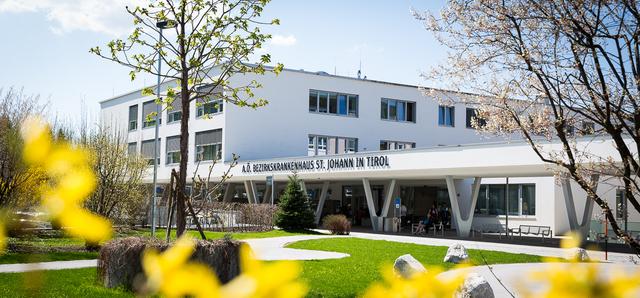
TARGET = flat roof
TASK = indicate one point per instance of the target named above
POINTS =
(317, 73)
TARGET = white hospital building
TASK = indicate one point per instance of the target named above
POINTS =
(361, 145)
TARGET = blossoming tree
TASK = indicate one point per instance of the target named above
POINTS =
(563, 70)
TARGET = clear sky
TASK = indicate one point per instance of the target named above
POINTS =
(45, 45)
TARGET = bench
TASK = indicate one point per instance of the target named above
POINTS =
(533, 230)
(435, 227)
(491, 229)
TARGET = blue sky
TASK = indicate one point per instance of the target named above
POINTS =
(46, 43)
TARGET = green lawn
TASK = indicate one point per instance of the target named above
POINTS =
(329, 278)
(15, 258)
(349, 276)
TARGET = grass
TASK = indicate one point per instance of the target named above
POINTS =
(15, 258)
(327, 278)
(350, 276)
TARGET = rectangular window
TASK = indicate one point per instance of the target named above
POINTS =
(313, 101)
(209, 107)
(132, 148)
(133, 117)
(492, 199)
(446, 116)
(173, 150)
(208, 145)
(472, 115)
(395, 145)
(333, 103)
(174, 113)
(327, 145)
(146, 150)
(149, 109)
(398, 110)
(620, 204)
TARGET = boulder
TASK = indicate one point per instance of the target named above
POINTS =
(475, 286)
(406, 266)
(120, 261)
(456, 254)
(578, 254)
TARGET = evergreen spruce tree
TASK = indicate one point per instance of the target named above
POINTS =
(294, 212)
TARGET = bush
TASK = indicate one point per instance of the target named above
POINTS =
(338, 224)
(294, 211)
(120, 261)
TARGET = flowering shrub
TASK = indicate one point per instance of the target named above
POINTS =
(71, 181)
(337, 224)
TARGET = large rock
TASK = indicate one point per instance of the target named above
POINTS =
(456, 254)
(120, 261)
(578, 254)
(475, 286)
(406, 266)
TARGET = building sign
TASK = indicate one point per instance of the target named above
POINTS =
(318, 165)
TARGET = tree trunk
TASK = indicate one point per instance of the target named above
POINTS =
(184, 158)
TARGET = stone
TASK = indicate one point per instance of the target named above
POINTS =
(578, 254)
(120, 260)
(406, 266)
(475, 286)
(456, 254)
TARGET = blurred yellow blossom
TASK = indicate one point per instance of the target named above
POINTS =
(3, 239)
(171, 274)
(72, 181)
(427, 284)
(573, 239)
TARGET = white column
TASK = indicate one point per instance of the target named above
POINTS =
(266, 198)
(370, 204)
(321, 200)
(388, 198)
(249, 187)
(229, 192)
(463, 220)
(581, 227)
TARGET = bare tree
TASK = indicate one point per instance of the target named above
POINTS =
(563, 70)
(212, 41)
(119, 194)
(18, 182)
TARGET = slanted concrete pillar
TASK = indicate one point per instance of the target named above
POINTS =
(321, 200)
(371, 206)
(250, 188)
(266, 198)
(388, 198)
(229, 192)
(463, 218)
(581, 227)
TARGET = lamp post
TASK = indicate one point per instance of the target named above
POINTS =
(161, 25)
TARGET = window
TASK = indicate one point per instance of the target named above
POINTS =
(333, 103)
(394, 145)
(147, 149)
(446, 116)
(149, 109)
(208, 145)
(587, 128)
(174, 113)
(173, 150)
(621, 204)
(132, 148)
(326, 145)
(397, 110)
(492, 199)
(472, 116)
(210, 107)
(133, 117)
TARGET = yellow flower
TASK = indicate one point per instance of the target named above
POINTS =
(72, 181)
(427, 284)
(260, 279)
(580, 280)
(3, 239)
(574, 239)
(171, 274)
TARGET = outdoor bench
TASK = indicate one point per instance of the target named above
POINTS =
(533, 230)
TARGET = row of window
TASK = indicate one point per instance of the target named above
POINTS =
(174, 114)
(208, 147)
(492, 199)
(329, 145)
(342, 104)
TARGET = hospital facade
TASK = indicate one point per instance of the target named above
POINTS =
(366, 148)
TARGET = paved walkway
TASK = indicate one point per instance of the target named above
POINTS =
(512, 276)
(274, 249)
(7, 268)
